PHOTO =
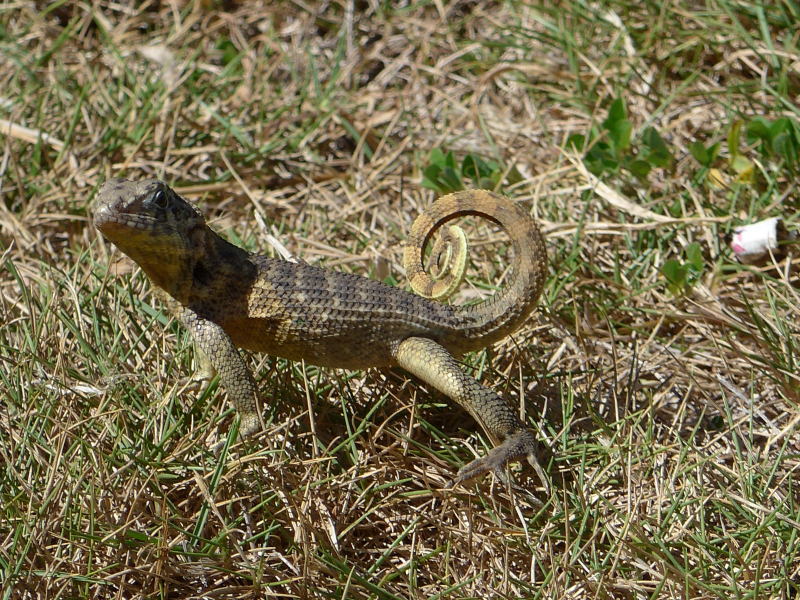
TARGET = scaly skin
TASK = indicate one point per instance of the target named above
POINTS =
(228, 298)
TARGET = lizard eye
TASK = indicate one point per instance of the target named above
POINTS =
(160, 198)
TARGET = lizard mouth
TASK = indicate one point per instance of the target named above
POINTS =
(109, 218)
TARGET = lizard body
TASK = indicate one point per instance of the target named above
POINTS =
(228, 298)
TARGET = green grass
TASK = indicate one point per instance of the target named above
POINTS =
(669, 416)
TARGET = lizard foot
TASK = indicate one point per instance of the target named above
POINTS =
(516, 445)
(194, 384)
(249, 424)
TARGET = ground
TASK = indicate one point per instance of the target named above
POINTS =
(659, 372)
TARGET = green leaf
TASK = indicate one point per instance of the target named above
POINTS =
(475, 167)
(653, 140)
(601, 158)
(469, 168)
(713, 152)
(430, 178)
(733, 140)
(783, 146)
(758, 130)
(595, 165)
(781, 125)
(620, 134)
(616, 113)
(443, 174)
(741, 164)
(577, 142)
(451, 179)
(437, 158)
(705, 156)
(487, 183)
(694, 254)
(514, 176)
(432, 172)
(660, 155)
(600, 148)
(700, 154)
(640, 168)
(610, 164)
(229, 51)
(675, 274)
(660, 159)
(450, 161)
(432, 185)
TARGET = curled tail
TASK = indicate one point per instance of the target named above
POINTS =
(492, 319)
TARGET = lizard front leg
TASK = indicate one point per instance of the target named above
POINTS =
(435, 366)
(216, 350)
(203, 375)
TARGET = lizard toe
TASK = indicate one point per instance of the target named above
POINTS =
(517, 445)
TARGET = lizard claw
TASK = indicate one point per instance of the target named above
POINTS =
(516, 445)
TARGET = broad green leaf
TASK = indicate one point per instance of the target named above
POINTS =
(757, 130)
(432, 172)
(640, 168)
(620, 134)
(610, 163)
(673, 271)
(600, 158)
(616, 113)
(475, 167)
(659, 158)
(781, 125)
(741, 164)
(514, 176)
(432, 185)
(229, 51)
(675, 274)
(783, 146)
(470, 167)
(451, 178)
(694, 254)
(699, 152)
(660, 155)
(577, 142)
(594, 164)
(437, 158)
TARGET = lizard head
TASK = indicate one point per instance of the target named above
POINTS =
(154, 226)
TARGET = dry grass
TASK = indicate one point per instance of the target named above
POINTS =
(672, 421)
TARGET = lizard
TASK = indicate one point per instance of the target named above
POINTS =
(228, 298)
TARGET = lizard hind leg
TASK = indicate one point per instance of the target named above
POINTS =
(434, 365)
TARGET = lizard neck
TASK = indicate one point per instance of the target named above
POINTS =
(202, 261)
(216, 268)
